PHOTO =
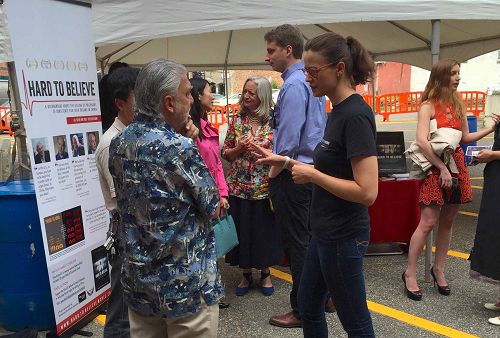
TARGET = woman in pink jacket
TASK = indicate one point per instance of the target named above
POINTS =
(208, 139)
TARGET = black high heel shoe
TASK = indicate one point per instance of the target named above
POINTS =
(413, 295)
(445, 289)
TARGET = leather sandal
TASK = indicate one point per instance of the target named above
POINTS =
(241, 291)
(266, 291)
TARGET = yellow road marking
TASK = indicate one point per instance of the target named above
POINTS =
(397, 314)
(477, 178)
(416, 321)
(467, 213)
(281, 275)
(476, 187)
(384, 310)
(456, 254)
(101, 319)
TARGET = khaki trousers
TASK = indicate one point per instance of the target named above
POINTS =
(201, 324)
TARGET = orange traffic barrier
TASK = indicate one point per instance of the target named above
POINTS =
(398, 103)
(409, 102)
(218, 116)
(474, 102)
(385, 105)
(5, 120)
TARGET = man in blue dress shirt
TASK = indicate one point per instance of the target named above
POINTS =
(298, 121)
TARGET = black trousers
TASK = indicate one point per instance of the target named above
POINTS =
(117, 324)
(291, 204)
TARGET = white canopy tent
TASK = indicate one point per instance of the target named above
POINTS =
(229, 34)
(208, 35)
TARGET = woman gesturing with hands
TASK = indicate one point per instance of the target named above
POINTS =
(345, 183)
(248, 182)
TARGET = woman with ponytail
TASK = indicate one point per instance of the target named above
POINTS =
(345, 179)
(441, 192)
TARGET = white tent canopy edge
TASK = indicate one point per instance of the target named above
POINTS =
(197, 33)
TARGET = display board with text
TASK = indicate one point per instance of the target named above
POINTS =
(53, 51)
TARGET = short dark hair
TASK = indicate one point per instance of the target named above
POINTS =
(287, 35)
(121, 82)
(115, 65)
(108, 108)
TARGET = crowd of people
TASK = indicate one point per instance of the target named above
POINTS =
(299, 185)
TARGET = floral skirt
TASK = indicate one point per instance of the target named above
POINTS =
(432, 194)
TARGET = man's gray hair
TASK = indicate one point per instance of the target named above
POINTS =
(156, 80)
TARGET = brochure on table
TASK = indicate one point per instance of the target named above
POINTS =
(54, 56)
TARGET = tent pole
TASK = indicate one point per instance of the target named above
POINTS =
(225, 74)
(436, 40)
(435, 48)
(373, 88)
(103, 67)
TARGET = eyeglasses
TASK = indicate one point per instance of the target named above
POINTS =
(314, 71)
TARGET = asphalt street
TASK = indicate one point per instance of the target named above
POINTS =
(394, 315)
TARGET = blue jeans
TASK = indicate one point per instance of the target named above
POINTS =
(336, 269)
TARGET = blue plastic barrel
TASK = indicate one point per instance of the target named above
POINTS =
(472, 122)
(25, 299)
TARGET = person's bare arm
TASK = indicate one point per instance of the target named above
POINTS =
(363, 189)
(473, 137)
(425, 114)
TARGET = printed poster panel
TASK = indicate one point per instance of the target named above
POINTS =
(55, 62)
(391, 153)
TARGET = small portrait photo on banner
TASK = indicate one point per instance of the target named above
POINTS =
(61, 147)
(77, 147)
(40, 150)
(92, 141)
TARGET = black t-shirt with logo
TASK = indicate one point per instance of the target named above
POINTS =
(350, 132)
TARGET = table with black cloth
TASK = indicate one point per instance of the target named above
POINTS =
(395, 214)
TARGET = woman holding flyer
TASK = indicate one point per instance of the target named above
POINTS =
(441, 192)
(485, 256)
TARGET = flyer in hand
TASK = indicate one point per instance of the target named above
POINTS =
(474, 150)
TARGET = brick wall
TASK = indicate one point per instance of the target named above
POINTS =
(239, 77)
(393, 77)
(236, 78)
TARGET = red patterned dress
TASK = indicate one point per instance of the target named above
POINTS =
(431, 193)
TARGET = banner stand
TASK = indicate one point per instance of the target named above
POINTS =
(77, 329)
(57, 101)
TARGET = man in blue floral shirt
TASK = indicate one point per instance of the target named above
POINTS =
(166, 198)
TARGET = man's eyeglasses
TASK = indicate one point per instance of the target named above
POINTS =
(314, 71)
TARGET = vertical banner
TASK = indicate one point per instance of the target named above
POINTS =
(53, 51)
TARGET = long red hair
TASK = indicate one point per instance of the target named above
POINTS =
(438, 88)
